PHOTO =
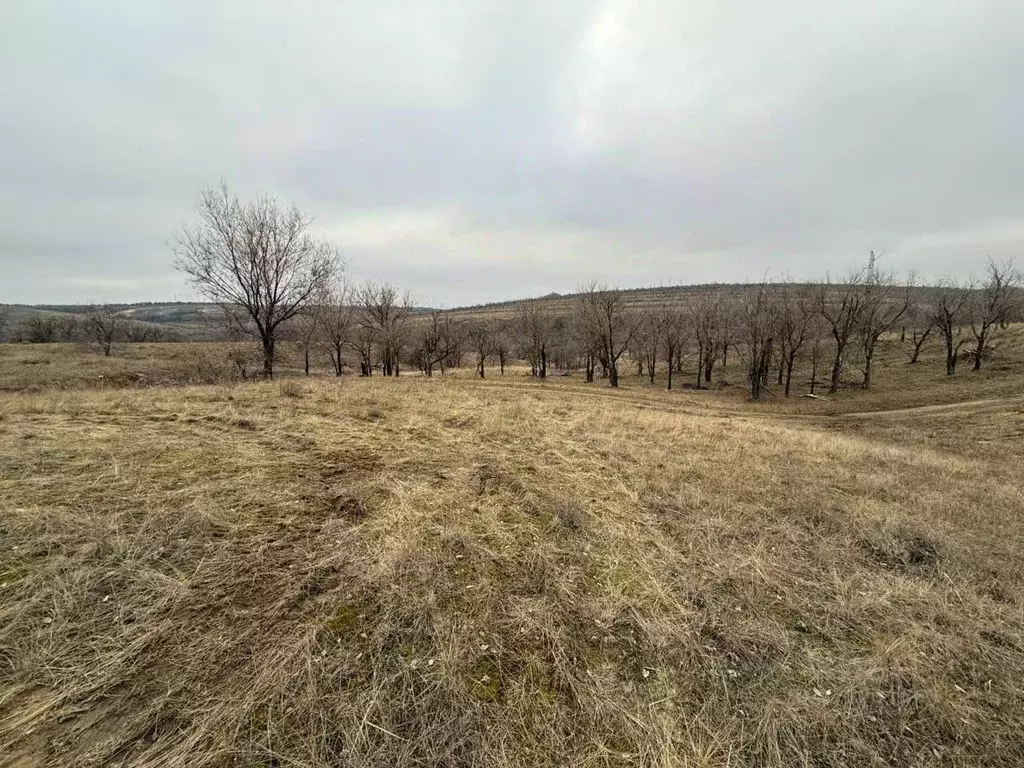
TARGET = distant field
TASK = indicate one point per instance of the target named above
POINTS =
(510, 572)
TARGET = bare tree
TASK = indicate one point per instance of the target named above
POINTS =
(502, 343)
(795, 313)
(67, 327)
(706, 318)
(921, 327)
(842, 306)
(817, 336)
(303, 329)
(673, 336)
(649, 339)
(5, 317)
(257, 259)
(760, 324)
(481, 337)
(335, 324)
(992, 306)
(438, 339)
(106, 327)
(386, 312)
(609, 325)
(137, 333)
(883, 305)
(364, 342)
(948, 313)
(536, 325)
(39, 328)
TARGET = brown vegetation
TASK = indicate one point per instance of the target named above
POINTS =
(456, 571)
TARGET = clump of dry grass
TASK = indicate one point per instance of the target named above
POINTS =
(447, 572)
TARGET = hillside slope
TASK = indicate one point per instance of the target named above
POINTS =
(450, 572)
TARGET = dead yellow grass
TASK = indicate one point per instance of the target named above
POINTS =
(451, 572)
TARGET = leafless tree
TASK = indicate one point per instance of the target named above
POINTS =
(482, 337)
(649, 339)
(384, 310)
(364, 342)
(335, 324)
(39, 328)
(884, 303)
(5, 317)
(949, 313)
(795, 313)
(842, 305)
(257, 259)
(706, 315)
(993, 305)
(502, 344)
(304, 328)
(67, 327)
(106, 327)
(438, 338)
(536, 326)
(609, 325)
(137, 333)
(921, 327)
(759, 327)
(817, 337)
(673, 338)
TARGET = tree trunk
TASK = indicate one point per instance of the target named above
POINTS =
(950, 356)
(868, 354)
(980, 348)
(480, 368)
(837, 371)
(543, 363)
(791, 358)
(613, 374)
(268, 357)
(669, 371)
(307, 361)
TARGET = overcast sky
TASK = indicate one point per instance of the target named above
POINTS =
(485, 150)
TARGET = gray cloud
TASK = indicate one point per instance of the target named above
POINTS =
(480, 151)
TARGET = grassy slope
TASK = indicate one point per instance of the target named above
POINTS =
(447, 572)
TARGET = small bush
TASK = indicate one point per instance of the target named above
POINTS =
(291, 388)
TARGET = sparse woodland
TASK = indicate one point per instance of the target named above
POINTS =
(274, 281)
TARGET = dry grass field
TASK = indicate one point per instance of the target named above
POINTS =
(454, 572)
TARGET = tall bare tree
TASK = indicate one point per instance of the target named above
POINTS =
(609, 324)
(949, 313)
(386, 311)
(673, 338)
(884, 303)
(502, 343)
(439, 337)
(759, 328)
(706, 319)
(842, 305)
(335, 324)
(649, 338)
(536, 326)
(257, 259)
(795, 313)
(922, 324)
(993, 305)
(482, 337)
